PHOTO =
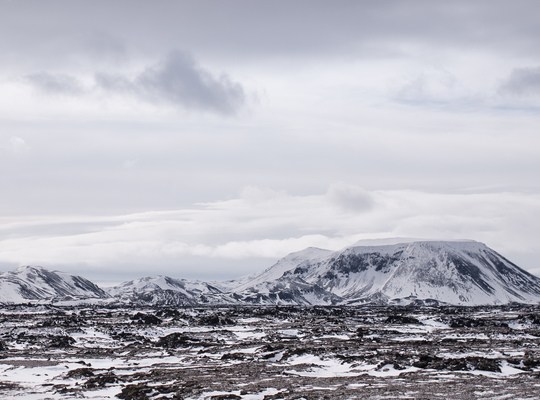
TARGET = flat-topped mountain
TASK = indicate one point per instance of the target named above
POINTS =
(461, 272)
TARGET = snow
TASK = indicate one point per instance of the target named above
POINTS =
(244, 333)
(322, 368)
(330, 368)
(258, 396)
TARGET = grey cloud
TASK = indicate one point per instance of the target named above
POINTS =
(177, 80)
(522, 82)
(55, 83)
(241, 28)
(181, 81)
(350, 197)
(105, 46)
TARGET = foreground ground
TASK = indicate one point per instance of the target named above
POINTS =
(270, 353)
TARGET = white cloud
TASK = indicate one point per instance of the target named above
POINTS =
(14, 145)
(270, 227)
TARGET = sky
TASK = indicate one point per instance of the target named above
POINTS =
(206, 139)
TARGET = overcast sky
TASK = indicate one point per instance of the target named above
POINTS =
(206, 139)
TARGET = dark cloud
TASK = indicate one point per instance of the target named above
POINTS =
(181, 81)
(178, 80)
(55, 83)
(522, 82)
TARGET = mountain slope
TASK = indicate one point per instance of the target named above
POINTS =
(37, 283)
(268, 287)
(277, 270)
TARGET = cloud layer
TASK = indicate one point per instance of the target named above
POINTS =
(255, 229)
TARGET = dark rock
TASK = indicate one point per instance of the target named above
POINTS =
(215, 320)
(9, 386)
(138, 391)
(175, 340)
(484, 364)
(532, 318)
(427, 361)
(272, 347)
(80, 373)
(129, 337)
(61, 341)
(70, 321)
(147, 319)
(233, 356)
(402, 320)
(101, 380)
(465, 322)
(424, 361)
(296, 351)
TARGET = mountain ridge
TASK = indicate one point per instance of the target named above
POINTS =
(462, 272)
(34, 283)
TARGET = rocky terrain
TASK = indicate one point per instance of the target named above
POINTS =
(363, 352)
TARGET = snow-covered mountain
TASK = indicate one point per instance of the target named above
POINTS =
(267, 287)
(164, 290)
(37, 283)
(453, 272)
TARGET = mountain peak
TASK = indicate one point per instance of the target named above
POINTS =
(29, 268)
(403, 241)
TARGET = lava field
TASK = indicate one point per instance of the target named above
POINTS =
(368, 352)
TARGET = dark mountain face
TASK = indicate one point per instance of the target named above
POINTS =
(464, 273)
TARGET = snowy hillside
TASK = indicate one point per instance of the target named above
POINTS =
(37, 283)
(276, 271)
(163, 290)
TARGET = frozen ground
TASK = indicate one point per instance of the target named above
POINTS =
(268, 353)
